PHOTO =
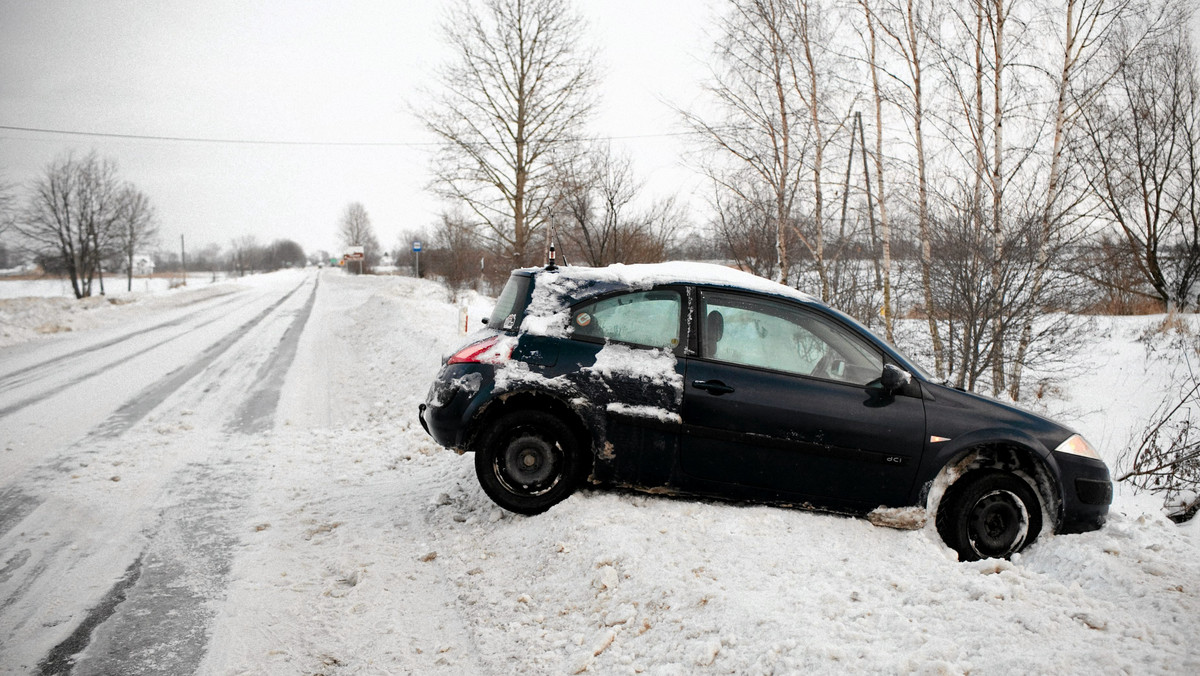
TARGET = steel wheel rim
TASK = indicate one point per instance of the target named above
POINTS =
(530, 464)
(997, 524)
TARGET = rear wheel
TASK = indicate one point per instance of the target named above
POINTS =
(528, 461)
(989, 514)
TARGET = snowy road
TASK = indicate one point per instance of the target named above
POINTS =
(132, 455)
(235, 483)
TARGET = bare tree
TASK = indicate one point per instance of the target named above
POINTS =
(760, 126)
(8, 205)
(137, 227)
(596, 213)
(71, 217)
(813, 65)
(283, 253)
(742, 227)
(1086, 27)
(354, 229)
(905, 22)
(1165, 458)
(1142, 158)
(880, 192)
(245, 254)
(456, 251)
(515, 96)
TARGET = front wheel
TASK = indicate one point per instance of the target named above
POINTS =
(528, 461)
(989, 514)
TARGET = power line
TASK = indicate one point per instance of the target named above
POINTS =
(225, 141)
(196, 139)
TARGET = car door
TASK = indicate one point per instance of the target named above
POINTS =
(779, 402)
(627, 347)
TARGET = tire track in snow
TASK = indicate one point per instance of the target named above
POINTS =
(61, 659)
(161, 616)
(161, 620)
(257, 412)
(15, 505)
(34, 372)
(29, 401)
(139, 406)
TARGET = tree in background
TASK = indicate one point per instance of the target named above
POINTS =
(596, 212)
(283, 253)
(513, 101)
(8, 204)
(244, 255)
(73, 217)
(759, 128)
(1142, 159)
(455, 252)
(354, 229)
(907, 25)
(137, 228)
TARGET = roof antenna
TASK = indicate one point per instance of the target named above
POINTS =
(550, 266)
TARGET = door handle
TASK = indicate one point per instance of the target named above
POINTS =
(712, 386)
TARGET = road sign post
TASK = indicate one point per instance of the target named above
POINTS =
(417, 251)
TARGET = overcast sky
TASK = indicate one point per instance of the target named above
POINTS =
(284, 70)
(308, 72)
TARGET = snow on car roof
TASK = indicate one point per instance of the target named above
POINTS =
(646, 275)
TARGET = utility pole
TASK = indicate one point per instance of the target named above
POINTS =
(183, 259)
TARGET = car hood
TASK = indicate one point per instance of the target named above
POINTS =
(952, 412)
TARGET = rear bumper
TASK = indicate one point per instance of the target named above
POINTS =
(421, 417)
(1087, 493)
(452, 402)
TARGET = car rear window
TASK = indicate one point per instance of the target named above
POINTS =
(649, 318)
(510, 303)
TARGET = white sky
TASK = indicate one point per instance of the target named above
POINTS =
(283, 70)
(292, 70)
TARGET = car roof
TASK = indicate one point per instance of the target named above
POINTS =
(574, 283)
(558, 288)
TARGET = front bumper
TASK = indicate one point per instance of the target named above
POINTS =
(1086, 492)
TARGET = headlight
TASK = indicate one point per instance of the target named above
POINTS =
(1077, 445)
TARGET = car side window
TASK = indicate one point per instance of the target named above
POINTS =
(774, 335)
(649, 318)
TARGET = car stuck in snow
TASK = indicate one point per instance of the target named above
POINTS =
(696, 379)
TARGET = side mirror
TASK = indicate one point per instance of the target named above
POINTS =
(894, 378)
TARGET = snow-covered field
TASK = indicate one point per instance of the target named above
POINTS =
(60, 287)
(232, 480)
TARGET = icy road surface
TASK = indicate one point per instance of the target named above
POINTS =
(233, 481)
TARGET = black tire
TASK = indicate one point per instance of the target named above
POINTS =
(528, 461)
(989, 514)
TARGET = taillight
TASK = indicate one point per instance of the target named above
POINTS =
(489, 351)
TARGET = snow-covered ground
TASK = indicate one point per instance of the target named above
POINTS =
(232, 480)
(114, 286)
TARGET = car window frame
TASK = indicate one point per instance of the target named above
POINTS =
(696, 335)
(680, 348)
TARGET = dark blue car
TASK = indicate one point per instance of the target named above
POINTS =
(693, 379)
